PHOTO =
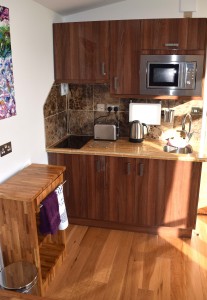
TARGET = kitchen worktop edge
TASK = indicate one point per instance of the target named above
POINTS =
(149, 149)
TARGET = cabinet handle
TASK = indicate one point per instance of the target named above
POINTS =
(103, 72)
(141, 169)
(128, 168)
(172, 45)
(116, 83)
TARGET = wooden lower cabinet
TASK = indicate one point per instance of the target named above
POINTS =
(131, 193)
(85, 186)
(174, 186)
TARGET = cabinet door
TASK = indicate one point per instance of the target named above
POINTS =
(196, 34)
(124, 57)
(174, 34)
(120, 190)
(75, 188)
(128, 192)
(81, 52)
(145, 204)
(174, 188)
(164, 34)
(95, 178)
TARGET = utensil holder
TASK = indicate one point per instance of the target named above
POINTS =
(169, 115)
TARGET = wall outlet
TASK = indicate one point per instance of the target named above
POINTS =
(100, 107)
(113, 107)
(5, 149)
(196, 110)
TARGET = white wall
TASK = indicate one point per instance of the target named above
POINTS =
(137, 9)
(32, 53)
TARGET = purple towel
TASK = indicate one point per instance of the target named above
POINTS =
(49, 214)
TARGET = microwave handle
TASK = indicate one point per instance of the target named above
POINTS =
(172, 45)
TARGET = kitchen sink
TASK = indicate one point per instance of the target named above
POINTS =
(74, 141)
(184, 150)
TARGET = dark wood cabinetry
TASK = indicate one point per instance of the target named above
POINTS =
(81, 52)
(96, 182)
(173, 34)
(85, 189)
(131, 193)
(109, 51)
(174, 188)
(196, 34)
(125, 44)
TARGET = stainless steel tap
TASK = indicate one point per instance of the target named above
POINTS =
(184, 133)
(190, 122)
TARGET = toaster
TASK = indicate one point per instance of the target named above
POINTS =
(105, 132)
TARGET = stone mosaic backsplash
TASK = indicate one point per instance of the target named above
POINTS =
(77, 113)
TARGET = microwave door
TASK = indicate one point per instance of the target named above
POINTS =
(162, 75)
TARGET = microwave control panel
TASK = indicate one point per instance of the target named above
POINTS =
(190, 75)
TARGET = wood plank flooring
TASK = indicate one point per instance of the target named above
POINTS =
(104, 264)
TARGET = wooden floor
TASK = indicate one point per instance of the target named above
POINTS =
(109, 264)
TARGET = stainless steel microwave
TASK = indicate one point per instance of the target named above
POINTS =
(173, 75)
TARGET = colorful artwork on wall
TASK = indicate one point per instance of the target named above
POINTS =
(7, 97)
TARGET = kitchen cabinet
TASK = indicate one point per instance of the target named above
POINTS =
(151, 192)
(99, 188)
(81, 52)
(131, 193)
(109, 51)
(20, 200)
(173, 188)
(96, 186)
(130, 183)
(85, 192)
(184, 34)
(125, 42)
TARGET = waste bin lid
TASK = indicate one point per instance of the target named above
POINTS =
(18, 275)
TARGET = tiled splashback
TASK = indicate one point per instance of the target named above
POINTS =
(77, 112)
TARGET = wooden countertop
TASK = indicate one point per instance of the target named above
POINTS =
(35, 178)
(151, 149)
(7, 295)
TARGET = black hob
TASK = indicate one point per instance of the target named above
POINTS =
(74, 141)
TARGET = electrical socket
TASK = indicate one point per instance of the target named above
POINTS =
(112, 106)
(196, 110)
(5, 149)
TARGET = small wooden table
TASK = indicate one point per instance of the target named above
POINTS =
(20, 198)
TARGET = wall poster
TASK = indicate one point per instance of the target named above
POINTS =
(7, 99)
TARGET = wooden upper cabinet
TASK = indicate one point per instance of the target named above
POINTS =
(173, 34)
(164, 34)
(81, 52)
(196, 34)
(124, 57)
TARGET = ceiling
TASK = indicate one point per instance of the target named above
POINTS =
(67, 7)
